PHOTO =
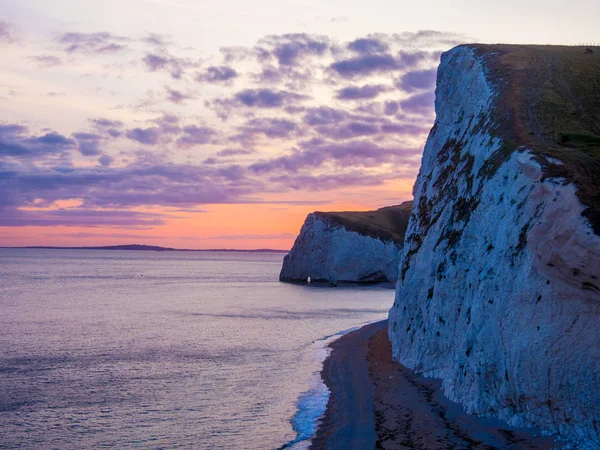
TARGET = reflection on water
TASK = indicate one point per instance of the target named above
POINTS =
(142, 349)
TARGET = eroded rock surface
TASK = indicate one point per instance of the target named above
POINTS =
(356, 247)
(499, 287)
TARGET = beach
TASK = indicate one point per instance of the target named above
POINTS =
(376, 402)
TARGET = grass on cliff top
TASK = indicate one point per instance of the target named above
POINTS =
(550, 102)
(387, 223)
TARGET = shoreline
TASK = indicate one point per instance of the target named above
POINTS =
(375, 402)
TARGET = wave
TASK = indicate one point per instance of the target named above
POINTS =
(311, 404)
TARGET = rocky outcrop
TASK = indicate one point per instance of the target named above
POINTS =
(354, 247)
(499, 286)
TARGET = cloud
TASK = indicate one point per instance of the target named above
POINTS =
(220, 74)
(417, 80)
(140, 183)
(163, 61)
(266, 98)
(367, 91)
(288, 49)
(12, 129)
(108, 127)
(368, 46)
(194, 135)
(177, 97)
(88, 143)
(365, 65)
(106, 123)
(97, 43)
(105, 160)
(316, 153)
(146, 136)
(419, 103)
(391, 108)
(13, 217)
(47, 60)
(324, 115)
(7, 32)
(281, 139)
(168, 123)
(348, 130)
(268, 126)
(14, 143)
(376, 63)
(235, 152)
(329, 182)
(159, 40)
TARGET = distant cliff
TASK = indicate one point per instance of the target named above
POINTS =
(499, 286)
(359, 247)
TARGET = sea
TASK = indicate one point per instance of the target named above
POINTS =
(144, 349)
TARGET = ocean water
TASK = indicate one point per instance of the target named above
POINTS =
(133, 349)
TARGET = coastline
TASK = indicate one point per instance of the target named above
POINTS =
(376, 402)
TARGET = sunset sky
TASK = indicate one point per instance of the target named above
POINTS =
(221, 124)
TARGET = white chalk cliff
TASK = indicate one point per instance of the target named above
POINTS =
(356, 247)
(499, 286)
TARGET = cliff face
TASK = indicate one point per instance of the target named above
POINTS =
(359, 247)
(499, 286)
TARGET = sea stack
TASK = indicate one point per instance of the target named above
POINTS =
(499, 286)
(348, 247)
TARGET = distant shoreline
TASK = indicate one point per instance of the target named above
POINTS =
(151, 248)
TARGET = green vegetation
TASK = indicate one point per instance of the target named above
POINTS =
(386, 224)
(550, 103)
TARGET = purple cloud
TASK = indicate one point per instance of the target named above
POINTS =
(367, 91)
(177, 97)
(234, 152)
(88, 143)
(365, 65)
(109, 127)
(419, 103)
(270, 127)
(146, 136)
(158, 40)
(411, 59)
(79, 217)
(220, 74)
(106, 123)
(7, 32)
(12, 129)
(14, 143)
(324, 115)
(404, 128)
(348, 130)
(47, 60)
(194, 135)
(168, 124)
(105, 160)
(368, 46)
(266, 98)
(175, 66)
(417, 80)
(97, 43)
(391, 108)
(155, 62)
(329, 182)
(289, 48)
(314, 154)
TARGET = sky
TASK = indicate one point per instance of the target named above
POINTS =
(222, 124)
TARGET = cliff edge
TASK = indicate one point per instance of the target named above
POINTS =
(351, 246)
(499, 286)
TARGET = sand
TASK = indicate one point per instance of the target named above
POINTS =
(377, 403)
